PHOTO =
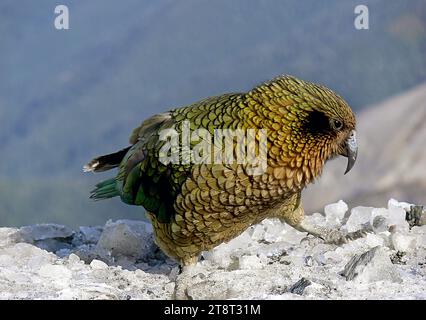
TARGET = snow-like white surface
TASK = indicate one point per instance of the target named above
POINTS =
(121, 261)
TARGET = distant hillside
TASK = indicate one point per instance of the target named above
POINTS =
(391, 160)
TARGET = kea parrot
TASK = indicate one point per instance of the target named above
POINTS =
(194, 206)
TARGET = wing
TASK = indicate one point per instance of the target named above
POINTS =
(145, 180)
(142, 178)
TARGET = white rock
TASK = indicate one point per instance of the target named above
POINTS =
(291, 235)
(392, 203)
(9, 236)
(27, 255)
(127, 238)
(332, 257)
(403, 242)
(309, 260)
(91, 234)
(335, 212)
(386, 236)
(61, 275)
(379, 220)
(98, 265)
(250, 262)
(73, 259)
(400, 229)
(226, 254)
(258, 232)
(274, 230)
(46, 231)
(317, 219)
(348, 249)
(6, 260)
(373, 240)
(68, 294)
(271, 249)
(420, 233)
(220, 257)
(360, 216)
(318, 253)
(397, 216)
(372, 266)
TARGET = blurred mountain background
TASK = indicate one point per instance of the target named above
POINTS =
(69, 95)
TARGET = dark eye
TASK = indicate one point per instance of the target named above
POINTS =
(337, 124)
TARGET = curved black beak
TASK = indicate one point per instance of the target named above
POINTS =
(350, 150)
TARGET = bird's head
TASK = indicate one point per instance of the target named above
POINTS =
(310, 124)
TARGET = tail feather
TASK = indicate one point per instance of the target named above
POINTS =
(106, 162)
(104, 190)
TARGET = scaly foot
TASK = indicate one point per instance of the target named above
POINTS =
(338, 237)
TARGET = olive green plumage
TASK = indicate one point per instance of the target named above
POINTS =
(194, 207)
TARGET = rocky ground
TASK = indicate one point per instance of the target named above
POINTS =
(268, 261)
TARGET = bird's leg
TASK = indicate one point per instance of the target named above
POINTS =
(328, 235)
(296, 218)
(183, 279)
